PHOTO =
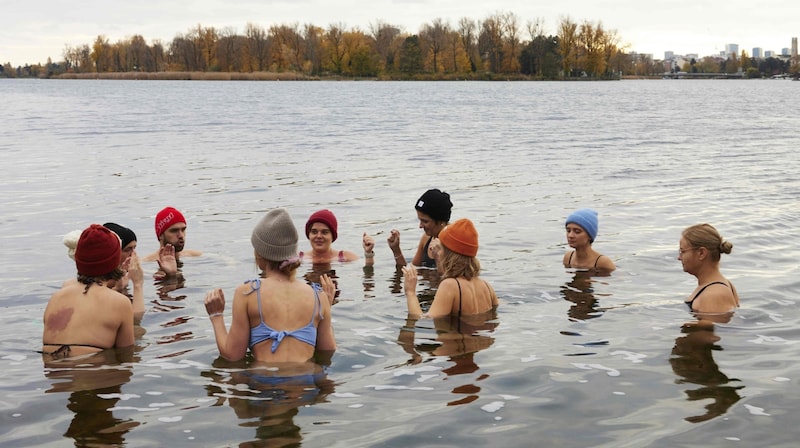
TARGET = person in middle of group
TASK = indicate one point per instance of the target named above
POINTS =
(461, 291)
(322, 230)
(170, 227)
(581, 228)
(280, 318)
(433, 211)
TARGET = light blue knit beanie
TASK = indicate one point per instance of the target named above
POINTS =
(586, 218)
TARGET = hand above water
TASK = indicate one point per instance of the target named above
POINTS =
(215, 302)
(368, 242)
(167, 262)
(328, 287)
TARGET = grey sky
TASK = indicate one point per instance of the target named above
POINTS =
(32, 31)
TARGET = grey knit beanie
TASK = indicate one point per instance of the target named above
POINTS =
(275, 236)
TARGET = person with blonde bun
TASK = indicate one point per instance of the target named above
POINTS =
(699, 252)
(461, 291)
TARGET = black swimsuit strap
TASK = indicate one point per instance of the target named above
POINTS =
(690, 302)
(64, 350)
(569, 262)
(595, 261)
(459, 305)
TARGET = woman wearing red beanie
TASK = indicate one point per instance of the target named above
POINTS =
(322, 229)
(89, 316)
(462, 291)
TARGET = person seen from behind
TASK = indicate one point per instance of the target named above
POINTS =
(461, 291)
(89, 315)
(279, 317)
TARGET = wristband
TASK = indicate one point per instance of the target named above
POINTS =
(369, 254)
(213, 315)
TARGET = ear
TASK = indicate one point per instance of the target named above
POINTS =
(702, 252)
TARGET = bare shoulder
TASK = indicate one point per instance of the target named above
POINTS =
(191, 253)
(151, 257)
(605, 263)
(349, 255)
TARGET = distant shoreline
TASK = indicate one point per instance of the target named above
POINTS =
(294, 76)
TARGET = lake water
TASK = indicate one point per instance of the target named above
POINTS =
(569, 361)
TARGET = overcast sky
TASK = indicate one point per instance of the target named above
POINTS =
(32, 31)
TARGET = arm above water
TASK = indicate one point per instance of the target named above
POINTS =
(232, 345)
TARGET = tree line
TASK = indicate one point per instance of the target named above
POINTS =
(497, 46)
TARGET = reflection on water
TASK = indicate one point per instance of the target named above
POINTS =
(94, 384)
(692, 359)
(268, 398)
(580, 292)
(456, 338)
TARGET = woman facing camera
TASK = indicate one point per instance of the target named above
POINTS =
(581, 229)
(280, 318)
(699, 252)
(462, 291)
(322, 230)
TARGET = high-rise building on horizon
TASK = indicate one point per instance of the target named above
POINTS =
(757, 53)
(769, 54)
(785, 51)
(731, 49)
(669, 55)
(794, 47)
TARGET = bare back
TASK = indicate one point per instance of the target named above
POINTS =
(462, 296)
(99, 319)
(287, 306)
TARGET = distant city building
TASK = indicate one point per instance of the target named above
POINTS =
(769, 54)
(794, 47)
(757, 53)
(669, 55)
(691, 56)
(731, 49)
(784, 52)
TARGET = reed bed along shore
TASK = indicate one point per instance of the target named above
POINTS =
(192, 76)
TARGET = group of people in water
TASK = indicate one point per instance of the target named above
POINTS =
(281, 318)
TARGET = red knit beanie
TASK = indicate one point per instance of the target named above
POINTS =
(460, 237)
(166, 218)
(97, 252)
(326, 217)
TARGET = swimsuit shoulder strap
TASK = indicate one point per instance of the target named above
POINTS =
(459, 305)
(703, 289)
(255, 285)
(569, 262)
(317, 304)
(595, 261)
(341, 256)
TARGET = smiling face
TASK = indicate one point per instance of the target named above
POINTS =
(175, 235)
(320, 237)
(576, 236)
(430, 226)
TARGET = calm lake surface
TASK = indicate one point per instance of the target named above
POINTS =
(570, 360)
